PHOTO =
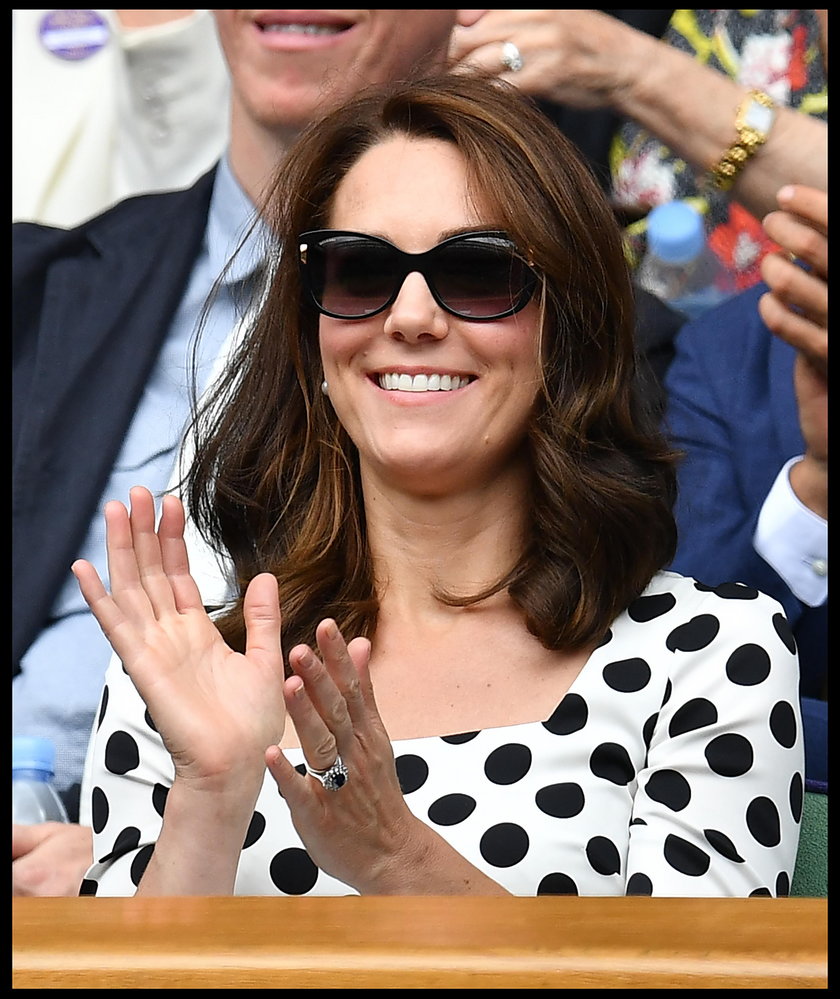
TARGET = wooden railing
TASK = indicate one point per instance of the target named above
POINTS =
(419, 943)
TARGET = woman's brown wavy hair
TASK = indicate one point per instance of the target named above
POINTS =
(275, 482)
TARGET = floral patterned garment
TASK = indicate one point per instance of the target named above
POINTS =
(777, 51)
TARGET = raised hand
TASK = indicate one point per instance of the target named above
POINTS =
(361, 833)
(216, 710)
(796, 310)
(796, 307)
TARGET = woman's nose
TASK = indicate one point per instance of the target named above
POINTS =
(414, 314)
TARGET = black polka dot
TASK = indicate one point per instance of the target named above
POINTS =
(103, 705)
(639, 884)
(412, 772)
(256, 827)
(147, 718)
(160, 792)
(128, 839)
(763, 822)
(508, 764)
(460, 738)
(748, 665)
(695, 634)
(627, 675)
(121, 753)
(730, 591)
(685, 857)
(557, 884)
(669, 688)
(637, 822)
(608, 637)
(694, 714)
(782, 885)
(88, 887)
(451, 809)
(796, 796)
(504, 845)
(723, 845)
(729, 755)
(649, 728)
(570, 715)
(560, 800)
(603, 855)
(293, 872)
(99, 809)
(782, 626)
(301, 769)
(783, 724)
(140, 863)
(647, 608)
(761, 893)
(612, 762)
(669, 788)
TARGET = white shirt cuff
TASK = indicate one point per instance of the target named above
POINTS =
(794, 541)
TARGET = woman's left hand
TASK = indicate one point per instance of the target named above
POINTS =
(362, 832)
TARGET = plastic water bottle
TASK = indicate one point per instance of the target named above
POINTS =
(34, 797)
(679, 267)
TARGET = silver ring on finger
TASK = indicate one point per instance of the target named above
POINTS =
(511, 57)
(333, 778)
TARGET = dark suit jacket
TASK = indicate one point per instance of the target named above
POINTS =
(732, 407)
(91, 308)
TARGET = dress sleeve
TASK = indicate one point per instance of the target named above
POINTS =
(719, 799)
(127, 778)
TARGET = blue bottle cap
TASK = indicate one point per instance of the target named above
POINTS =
(30, 752)
(675, 232)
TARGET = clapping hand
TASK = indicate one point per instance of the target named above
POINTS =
(215, 709)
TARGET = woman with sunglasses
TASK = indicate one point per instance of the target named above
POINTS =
(452, 647)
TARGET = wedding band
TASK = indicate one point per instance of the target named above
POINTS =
(333, 777)
(512, 57)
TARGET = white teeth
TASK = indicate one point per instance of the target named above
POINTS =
(303, 29)
(422, 383)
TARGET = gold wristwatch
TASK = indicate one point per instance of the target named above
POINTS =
(752, 123)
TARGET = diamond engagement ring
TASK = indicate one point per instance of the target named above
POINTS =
(333, 777)
(512, 57)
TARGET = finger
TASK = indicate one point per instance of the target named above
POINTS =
(290, 783)
(343, 668)
(797, 288)
(123, 572)
(317, 742)
(116, 626)
(174, 555)
(798, 238)
(261, 612)
(142, 518)
(327, 700)
(799, 331)
(809, 203)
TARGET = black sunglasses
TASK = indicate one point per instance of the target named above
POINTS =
(476, 275)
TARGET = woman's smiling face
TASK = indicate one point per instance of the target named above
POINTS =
(433, 402)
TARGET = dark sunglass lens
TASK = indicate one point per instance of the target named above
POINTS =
(351, 277)
(483, 278)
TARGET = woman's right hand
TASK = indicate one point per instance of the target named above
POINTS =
(215, 709)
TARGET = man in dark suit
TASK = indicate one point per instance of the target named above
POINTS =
(749, 408)
(104, 317)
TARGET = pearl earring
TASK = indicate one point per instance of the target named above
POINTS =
(325, 389)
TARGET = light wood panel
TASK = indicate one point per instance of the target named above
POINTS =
(419, 943)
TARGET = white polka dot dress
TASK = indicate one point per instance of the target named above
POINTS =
(673, 766)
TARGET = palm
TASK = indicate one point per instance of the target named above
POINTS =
(215, 709)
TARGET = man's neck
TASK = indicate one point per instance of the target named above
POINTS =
(255, 155)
